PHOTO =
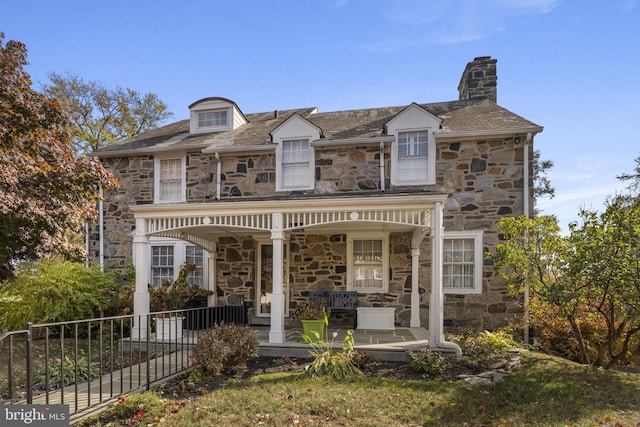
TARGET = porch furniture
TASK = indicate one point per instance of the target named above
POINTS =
(336, 301)
(380, 318)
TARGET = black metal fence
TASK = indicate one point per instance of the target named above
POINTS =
(89, 363)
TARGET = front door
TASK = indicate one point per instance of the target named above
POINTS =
(264, 279)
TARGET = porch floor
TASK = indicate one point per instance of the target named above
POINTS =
(390, 345)
(380, 344)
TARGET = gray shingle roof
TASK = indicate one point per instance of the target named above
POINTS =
(457, 117)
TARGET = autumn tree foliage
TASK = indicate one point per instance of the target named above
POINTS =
(101, 116)
(585, 285)
(46, 190)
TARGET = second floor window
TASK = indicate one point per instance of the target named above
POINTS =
(412, 156)
(296, 169)
(170, 180)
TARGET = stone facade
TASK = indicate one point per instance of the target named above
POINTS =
(483, 177)
(479, 167)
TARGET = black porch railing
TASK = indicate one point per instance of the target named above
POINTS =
(88, 363)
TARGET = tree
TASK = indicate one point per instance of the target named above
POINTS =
(541, 183)
(47, 192)
(591, 278)
(101, 116)
(535, 255)
(634, 177)
(605, 266)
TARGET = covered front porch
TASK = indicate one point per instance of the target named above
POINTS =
(283, 223)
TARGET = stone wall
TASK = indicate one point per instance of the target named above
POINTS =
(483, 177)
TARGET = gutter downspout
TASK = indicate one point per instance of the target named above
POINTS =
(436, 308)
(382, 179)
(101, 219)
(218, 175)
(525, 194)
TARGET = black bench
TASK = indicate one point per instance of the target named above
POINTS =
(336, 301)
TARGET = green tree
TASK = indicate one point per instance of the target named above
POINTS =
(541, 183)
(633, 177)
(46, 191)
(605, 266)
(101, 116)
(591, 278)
(536, 255)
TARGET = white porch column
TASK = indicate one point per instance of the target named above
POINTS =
(436, 307)
(141, 294)
(212, 299)
(415, 291)
(276, 331)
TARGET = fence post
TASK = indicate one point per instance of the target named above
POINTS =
(148, 349)
(29, 363)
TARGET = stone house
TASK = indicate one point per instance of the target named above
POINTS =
(397, 203)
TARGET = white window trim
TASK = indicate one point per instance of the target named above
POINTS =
(476, 235)
(212, 128)
(279, 168)
(156, 179)
(179, 256)
(431, 158)
(385, 261)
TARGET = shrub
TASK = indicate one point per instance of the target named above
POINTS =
(225, 348)
(554, 334)
(481, 347)
(429, 362)
(54, 292)
(86, 371)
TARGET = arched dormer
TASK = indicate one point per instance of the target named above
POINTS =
(215, 114)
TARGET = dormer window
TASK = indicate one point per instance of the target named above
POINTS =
(295, 158)
(212, 119)
(413, 153)
(296, 168)
(215, 115)
(412, 156)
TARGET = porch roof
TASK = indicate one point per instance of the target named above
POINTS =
(203, 223)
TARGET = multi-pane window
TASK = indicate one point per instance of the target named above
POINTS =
(295, 163)
(462, 263)
(412, 156)
(212, 119)
(161, 265)
(195, 256)
(368, 260)
(170, 181)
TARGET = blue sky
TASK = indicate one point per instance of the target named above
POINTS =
(571, 66)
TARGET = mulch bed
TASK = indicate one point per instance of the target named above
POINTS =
(183, 389)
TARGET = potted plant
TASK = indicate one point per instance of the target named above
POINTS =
(313, 318)
(175, 296)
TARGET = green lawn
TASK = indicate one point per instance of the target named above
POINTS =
(545, 391)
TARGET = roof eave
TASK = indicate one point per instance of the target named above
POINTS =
(446, 135)
(149, 151)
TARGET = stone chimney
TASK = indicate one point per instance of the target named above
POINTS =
(479, 80)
